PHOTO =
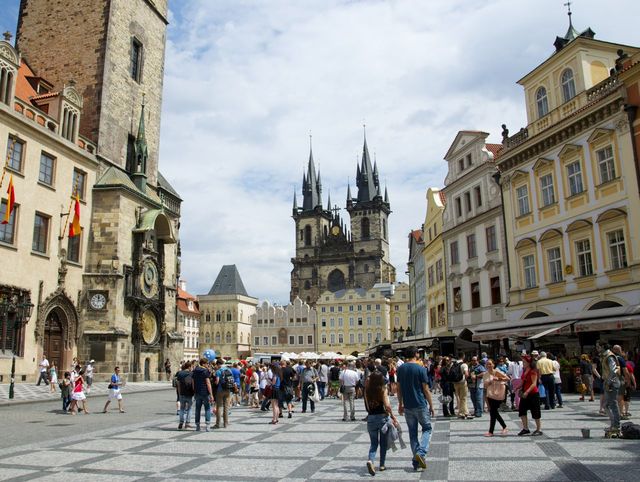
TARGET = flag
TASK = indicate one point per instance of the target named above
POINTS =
(74, 227)
(11, 201)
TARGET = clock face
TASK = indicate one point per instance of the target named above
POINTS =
(149, 279)
(98, 301)
(335, 230)
(149, 327)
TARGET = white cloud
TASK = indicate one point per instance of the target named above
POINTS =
(246, 82)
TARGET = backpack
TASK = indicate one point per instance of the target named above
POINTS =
(630, 430)
(226, 380)
(186, 385)
(455, 374)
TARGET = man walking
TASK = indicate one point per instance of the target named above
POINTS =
(459, 373)
(114, 391)
(88, 375)
(476, 386)
(225, 383)
(308, 377)
(184, 382)
(323, 378)
(203, 392)
(44, 368)
(611, 385)
(348, 380)
(545, 367)
(413, 397)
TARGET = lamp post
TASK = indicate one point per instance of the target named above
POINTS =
(9, 305)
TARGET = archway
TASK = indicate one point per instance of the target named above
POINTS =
(53, 338)
(57, 328)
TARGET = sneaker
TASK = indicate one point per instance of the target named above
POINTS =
(382, 468)
(371, 468)
(207, 428)
(281, 416)
(344, 419)
(536, 433)
(524, 431)
(180, 426)
(421, 461)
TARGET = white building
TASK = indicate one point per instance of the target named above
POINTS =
(189, 312)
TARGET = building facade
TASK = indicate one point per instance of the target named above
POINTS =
(189, 313)
(473, 234)
(434, 260)
(417, 283)
(291, 328)
(114, 58)
(331, 255)
(227, 310)
(570, 182)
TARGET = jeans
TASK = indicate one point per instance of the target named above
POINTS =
(549, 383)
(222, 407)
(477, 400)
(415, 416)
(559, 393)
(321, 388)
(200, 401)
(186, 403)
(43, 376)
(376, 437)
(305, 397)
(611, 404)
(66, 401)
(494, 414)
(348, 397)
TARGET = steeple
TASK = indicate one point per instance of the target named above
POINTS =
(365, 180)
(349, 198)
(572, 33)
(329, 202)
(141, 153)
(386, 195)
(295, 203)
(311, 186)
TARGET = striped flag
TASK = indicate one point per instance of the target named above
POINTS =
(74, 227)
(11, 201)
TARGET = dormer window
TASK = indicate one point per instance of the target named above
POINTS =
(541, 102)
(568, 85)
(6, 84)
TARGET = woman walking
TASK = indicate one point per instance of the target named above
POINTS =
(275, 392)
(447, 388)
(495, 390)
(78, 394)
(379, 411)
(586, 373)
(53, 377)
(529, 398)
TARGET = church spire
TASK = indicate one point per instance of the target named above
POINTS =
(311, 185)
(386, 195)
(295, 203)
(365, 180)
(141, 153)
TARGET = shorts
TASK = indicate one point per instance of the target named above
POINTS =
(530, 403)
(334, 384)
(114, 394)
(627, 394)
(78, 396)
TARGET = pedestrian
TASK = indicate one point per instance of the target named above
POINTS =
(586, 374)
(44, 368)
(334, 379)
(78, 395)
(392, 379)
(631, 367)
(265, 381)
(184, 382)
(414, 402)
(379, 410)
(274, 395)
(286, 387)
(115, 393)
(88, 371)
(348, 380)
(323, 379)
(254, 388)
(459, 373)
(65, 391)
(545, 368)
(53, 377)
(495, 382)
(203, 392)
(225, 386)
(626, 384)
(611, 385)
(299, 368)
(167, 369)
(476, 386)
(557, 379)
(515, 371)
(447, 388)
(308, 378)
(529, 397)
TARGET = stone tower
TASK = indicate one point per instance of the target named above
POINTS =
(329, 255)
(114, 52)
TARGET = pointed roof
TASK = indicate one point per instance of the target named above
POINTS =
(164, 184)
(141, 139)
(365, 179)
(228, 282)
(311, 186)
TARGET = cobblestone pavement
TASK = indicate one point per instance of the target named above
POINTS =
(321, 447)
(29, 392)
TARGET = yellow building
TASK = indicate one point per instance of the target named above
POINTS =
(433, 254)
(570, 189)
(352, 320)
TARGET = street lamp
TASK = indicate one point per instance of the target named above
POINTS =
(19, 311)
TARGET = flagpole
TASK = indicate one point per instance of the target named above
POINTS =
(6, 162)
(66, 221)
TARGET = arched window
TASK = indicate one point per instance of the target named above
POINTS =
(217, 337)
(384, 229)
(326, 231)
(207, 338)
(227, 339)
(218, 316)
(307, 285)
(207, 316)
(365, 229)
(336, 281)
(228, 315)
(568, 85)
(307, 235)
(542, 102)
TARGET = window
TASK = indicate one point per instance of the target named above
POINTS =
(455, 257)
(350, 307)
(15, 148)
(471, 246)
(207, 338)
(340, 322)
(457, 299)
(546, 187)
(617, 249)
(441, 319)
(467, 201)
(583, 251)
(274, 340)
(368, 307)
(430, 276)
(219, 339)
(541, 102)
(73, 251)
(605, 164)
(136, 60)
(458, 207)
(332, 337)
(340, 338)
(368, 321)
(359, 337)
(475, 295)
(265, 340)
(574, 174)
(377, 307)
(332, 309)
(324, 309)
(40, 233)
(492, 242)
(378, 320)
(351, 321)
(352, 338)
(369, 338)
(364, 225)
(469, 160)
(46, 169)
(79, 183)
(439, 270)
(528, 264)
(432, 316)
(332, 322)
(323, 339)
(309, 339)
(359, 307)
(7, 231)
(522, 194)
(229, 317)
(555, 265)
(568, 85)
(307, 235)
(496, 298)
(478, 195)
(360, 321)
(256, 340)
(461, 165)
(300, 339)
(219, 317)
(292, 340)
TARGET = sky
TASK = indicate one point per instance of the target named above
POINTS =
(247, 82)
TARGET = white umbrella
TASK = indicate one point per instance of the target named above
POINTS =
(350, 358)
(308, 356)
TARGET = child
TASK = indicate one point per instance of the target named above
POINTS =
(65, 390)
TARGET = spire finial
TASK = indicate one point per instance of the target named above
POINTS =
(7, 36)
(568, 5)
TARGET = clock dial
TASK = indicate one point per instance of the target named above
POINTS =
(335, 230)
(98, 301)
(149, 327)
(149, 279)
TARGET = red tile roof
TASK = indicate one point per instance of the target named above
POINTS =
(443, 198)
(494, 149)
(417, 235)
(24, 90)
(183, 302)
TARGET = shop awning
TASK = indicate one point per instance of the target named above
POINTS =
(420, 343)
(551, 330)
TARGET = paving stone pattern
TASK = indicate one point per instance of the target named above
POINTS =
(321, 447)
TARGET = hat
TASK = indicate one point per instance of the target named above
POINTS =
(527, 358)
(534, 353)
(92, 361)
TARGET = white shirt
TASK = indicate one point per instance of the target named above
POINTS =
(349, 378)
(324, 373)
(556, 372)
(399, 363)
(515, 370)
(89, 370)
(44, 364)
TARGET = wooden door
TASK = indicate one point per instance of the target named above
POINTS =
(53, 347)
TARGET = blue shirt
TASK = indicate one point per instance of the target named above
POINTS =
(200, 375)
(115, 380)
(411, 376)
(236, 376)
(219, 378)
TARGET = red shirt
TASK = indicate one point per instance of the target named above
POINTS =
(527, 381)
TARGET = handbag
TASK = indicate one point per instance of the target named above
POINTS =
(341, 388)
(110, 386)
(496, 390)
(268, 391)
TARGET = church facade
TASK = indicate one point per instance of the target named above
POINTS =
(332, 255)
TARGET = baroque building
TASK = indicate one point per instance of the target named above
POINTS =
(227, 310)
(189, 314)
(114, 59)
(331, 255)
(291, 328)
(417, 283)
(473, 234)
(434, 260)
